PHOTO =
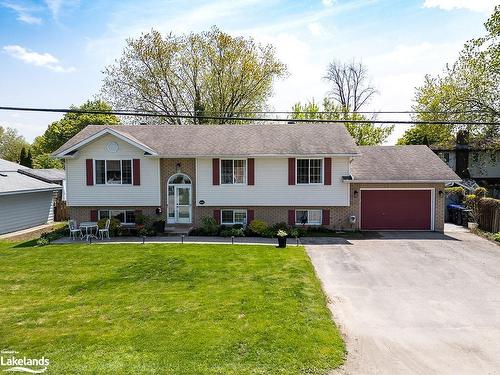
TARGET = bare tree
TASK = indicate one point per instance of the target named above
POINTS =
(349, 85)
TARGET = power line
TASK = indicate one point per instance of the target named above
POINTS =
(204, 117)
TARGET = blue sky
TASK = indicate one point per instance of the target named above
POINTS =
(52, 52)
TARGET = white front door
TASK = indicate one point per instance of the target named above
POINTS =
(179, 204)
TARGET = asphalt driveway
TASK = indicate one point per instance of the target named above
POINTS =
(415, 303)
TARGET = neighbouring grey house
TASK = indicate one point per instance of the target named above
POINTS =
(54, 176)
(25, 201)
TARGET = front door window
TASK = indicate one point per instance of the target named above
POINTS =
(179, 199)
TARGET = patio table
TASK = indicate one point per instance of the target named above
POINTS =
(89, 227)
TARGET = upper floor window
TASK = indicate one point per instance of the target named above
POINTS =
(113, 172)
(309, 171)
(233, 171)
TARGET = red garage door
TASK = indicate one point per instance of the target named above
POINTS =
(396, 209)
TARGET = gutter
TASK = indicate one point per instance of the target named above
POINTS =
(14, 192)
(398, 181)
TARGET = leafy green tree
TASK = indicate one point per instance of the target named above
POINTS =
(208, 73)
(365, 133)
(466, 91)
(11, 144)
(62, 130)
(43, 161)
(25, 158)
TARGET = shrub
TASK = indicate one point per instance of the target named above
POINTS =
(269, 233)
(257, 227)
(228, 232)
(472, 203)
(496, 236)
(319, 229)
(115, 226)
(480, 192)
(295, 233)
(42, 241)
(457, 194)
(141, 219)
(280, 226)
(209, 226)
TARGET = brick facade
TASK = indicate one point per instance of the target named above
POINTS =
(83, 213)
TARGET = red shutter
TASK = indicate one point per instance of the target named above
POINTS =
(136, 167)
(217, 216)
(328, 171)
(291, 217)
(215, 172)
(251, 171)
(325, 217)
(291, 171)
(250, 216)
(90, 172)
(93, 215)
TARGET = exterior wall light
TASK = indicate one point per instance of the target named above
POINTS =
(356, 193)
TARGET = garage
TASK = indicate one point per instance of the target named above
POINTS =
(400, 209)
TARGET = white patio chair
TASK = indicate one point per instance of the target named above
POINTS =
(105, 230)
(73, 230)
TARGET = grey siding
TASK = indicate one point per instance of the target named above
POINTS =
(21, 211)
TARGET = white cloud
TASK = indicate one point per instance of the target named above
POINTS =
(23, 13)
(56, 6)
(315, 28)
(327, 3)
(474, 5)
(45, 60)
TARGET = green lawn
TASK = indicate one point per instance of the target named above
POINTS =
(166, 309)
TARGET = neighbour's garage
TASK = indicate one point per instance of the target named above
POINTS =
(383, 209)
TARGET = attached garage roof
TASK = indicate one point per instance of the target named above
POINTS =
(17, 183)
(412, 163)
(228, 140)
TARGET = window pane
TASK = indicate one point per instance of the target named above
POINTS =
(226, 171)
(126, 171)
(314, 217)
(99, 172)
(315, 171)
(301, 217)
(130, 217)
(240, 171)
(113, 171)
(103, 214)
(120, 215)
(171, 202)
(240, 217)
(227, 216)
(302, 171)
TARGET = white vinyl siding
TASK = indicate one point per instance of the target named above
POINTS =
(79, 194)
(21, 211)
(271, 186)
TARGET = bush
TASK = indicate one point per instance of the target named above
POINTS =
(209, 226)
(472, 203)
(480, 192)
(229, 232)
(141, 219)
(257, 227)
(115, 226)
(496, 236)
(42, 241)
(457, 194)
(281, 226)
(269, 233)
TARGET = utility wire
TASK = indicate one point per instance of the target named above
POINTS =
(155, 114)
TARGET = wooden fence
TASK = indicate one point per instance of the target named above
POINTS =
(489, 220)
(60, 210)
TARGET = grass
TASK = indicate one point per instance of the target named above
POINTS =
(166, 309)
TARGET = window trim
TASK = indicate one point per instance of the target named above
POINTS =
(233, 183)
(309, 223)
(234, 212)
(309, 175)
(121, 172)
(110, 209)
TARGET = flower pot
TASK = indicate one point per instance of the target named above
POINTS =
(281, 241)
(472, 225)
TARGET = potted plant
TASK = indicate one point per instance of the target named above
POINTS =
(281, 238)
